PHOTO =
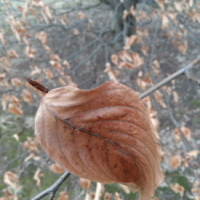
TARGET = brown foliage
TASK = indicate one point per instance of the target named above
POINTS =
(104, 134)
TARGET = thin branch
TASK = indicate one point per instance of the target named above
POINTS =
(171, 77)
(52, 189)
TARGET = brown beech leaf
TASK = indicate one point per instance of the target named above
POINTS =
(14, 109)
(104, 135)
(56, 168)
(177, 188)
(107, 196)
(27, 96)
(11, 179)
(84, 183)
(186, 132)
(37, 176)
(176, 135)
(175, 161)
(63, 196)
(114, 59)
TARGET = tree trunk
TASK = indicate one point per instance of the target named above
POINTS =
(118, 23)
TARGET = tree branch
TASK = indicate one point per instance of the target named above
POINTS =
(52, 189)
(182, 71)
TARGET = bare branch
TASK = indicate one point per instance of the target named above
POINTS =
(172, 77)
(53, 189)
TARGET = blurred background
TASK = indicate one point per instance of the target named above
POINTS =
(84, 43)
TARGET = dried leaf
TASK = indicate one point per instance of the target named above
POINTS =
(56, 65)
(46, 48)
(64, 20)
(175, 43)
(27, 96)
(30, 53)
(161, 4)
(177, 188)
(125, 56)
(55, 57)
(193, 153)
(44, 15)
(84, 183)
(25, 40)
(12, 54)
(175, 161)
(2, 75)
(137, 60)
(125, 188)
(5, 61)
(48, 73)
(155, 70)
(76, 32)
(110, 73)
(114, 59)
(4, 104)
(186, 132)
(80, 15)
(197, 197)
(107, 196)
(10, 195)
(176, 135)
(4, 198)
(63, 196)
(35, 71)
(175, 97)
(131, 40)
(5, 83)
(61, 81)
(2, 38)
(178, 6)
(144, 50)
(183, 48)
(70, 82)
(165, 21)
(158, 97)
(31, 155)
(32, 11)
(14, 99)
(65, 62)
(103, 135)
(30, 145)
(11, 179)
(56, 168)
(125, 64)
(156, 64)
(37, 176)
(117, 196)
(42, 36)
(14, 109)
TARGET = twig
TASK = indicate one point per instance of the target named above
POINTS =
(182, 71)
(52, 189)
